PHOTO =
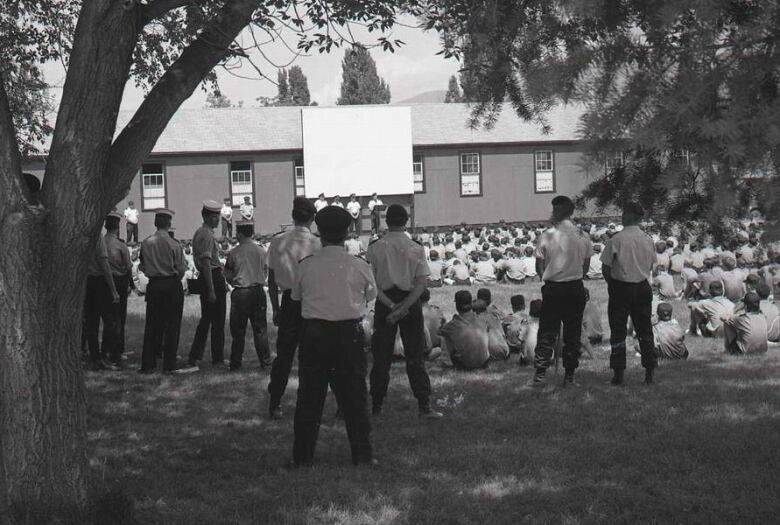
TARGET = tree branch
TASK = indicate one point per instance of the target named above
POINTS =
(12, 189)
(158, 8)
(137, 139)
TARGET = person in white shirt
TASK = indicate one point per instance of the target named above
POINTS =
(247, 210)
(375, 215)
(321, 202)
(131, 216)
(337, 202)
(226, 218)
(353, 207)
(594, 267)
(353, 245)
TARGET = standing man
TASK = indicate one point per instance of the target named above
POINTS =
(628, 260)
(121, 269)
(131, 216)
(334, 289)
(337, 202)
(401, 274)
(320, 203)
(245, 270)
(562, 259)
(284, 253)
(100, 302)
(375, 213)
(162, 261)
(214, 290)
(226, 218)
(353, 207)
(247, 210)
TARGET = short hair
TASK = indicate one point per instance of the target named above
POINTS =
(162, 221)
(517, 302)
(484, 294)
(763, 291)
(396, 215)
(716, 288)
(247, 230)
(463, 300)
(752, 301)
(664, 308)
(564, 204)
(112, 223)
(130, 203)
(535, 308)
(633, 209)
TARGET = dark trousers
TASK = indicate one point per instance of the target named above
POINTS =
(227, 227)
(355, 226)
(287, 337)
(332, 351)
(383, 341)
(248, 305)
(122, 284)
(132, 232)
(164, 305)
(562, 302)
(212, 315)
(375, 217)
(98, 305)
(635, 300)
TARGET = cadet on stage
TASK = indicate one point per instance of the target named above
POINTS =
(401, 272)
(334, 289)
(162, 261)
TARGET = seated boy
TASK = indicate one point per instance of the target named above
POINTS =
(663, 284)
(746, 332)
(516, 328)
(707, 314)
(592, 330)
(436, 268)
(497, 345)
(668, 335)
(465, 338)
(434, 320)
(770, 311)
(458, 273)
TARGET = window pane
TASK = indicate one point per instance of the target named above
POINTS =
(299, 191)
(152, 168)
(545, 182)
(469, 163)
(154, 203)
(242, 165)
(469, 185)
(418, 187)
(544, 161)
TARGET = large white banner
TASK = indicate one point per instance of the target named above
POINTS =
(357, 149)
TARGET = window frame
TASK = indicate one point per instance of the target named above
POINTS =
(251, 171)
(537, 171)
(298, 163)
(612, 156)
(164, 174)
(422, 172)
(477, 174)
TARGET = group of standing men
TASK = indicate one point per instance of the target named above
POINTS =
(375, 206)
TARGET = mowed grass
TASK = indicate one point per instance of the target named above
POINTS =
(702, 445)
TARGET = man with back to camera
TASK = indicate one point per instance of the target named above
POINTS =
(286, 250)
(562, 259)
(214, 289)
(628, 260)
(334, 290)
(401, 274)
(121, 268)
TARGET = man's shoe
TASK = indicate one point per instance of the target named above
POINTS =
(275, 413)
(189, 369)
(568, 379)
(649, 372)
(428, 413)
(376, 410)
(146, 370)
(617, 378)
(538, 380)
(234, 368)
(219, 365)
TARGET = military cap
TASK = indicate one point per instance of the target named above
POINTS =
(164, 211)
(212, 206)
(114, 215)
(333, 221)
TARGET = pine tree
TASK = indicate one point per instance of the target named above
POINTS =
(453, 91)
(360, 83)
(283, 98)
(299, 87)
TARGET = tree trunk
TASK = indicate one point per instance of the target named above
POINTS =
(42, 408)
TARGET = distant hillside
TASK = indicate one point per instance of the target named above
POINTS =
(425, 98)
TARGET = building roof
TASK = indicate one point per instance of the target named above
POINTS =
(207, 130)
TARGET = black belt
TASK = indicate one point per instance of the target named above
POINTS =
(163, 278)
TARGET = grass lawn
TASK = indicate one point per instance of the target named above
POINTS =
(702, 445)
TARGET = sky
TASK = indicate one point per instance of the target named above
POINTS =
(413, 69)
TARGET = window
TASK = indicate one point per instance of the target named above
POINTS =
(299, 176)
(419, 174)
(241, 182)
(470, 175)
(681, 157)
(614, 161)
(544, 172)
(153, 187)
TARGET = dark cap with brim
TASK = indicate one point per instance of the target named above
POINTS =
(164, 212)
(333, 222)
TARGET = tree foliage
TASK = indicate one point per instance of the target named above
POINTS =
(453, 91)
(299, 87)
(283, 88)
(651, 78)
(360, 82)
(218, 100)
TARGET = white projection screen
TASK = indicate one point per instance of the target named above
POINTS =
(357, 149)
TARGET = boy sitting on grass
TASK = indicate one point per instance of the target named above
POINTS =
(746, 332)
(668, 335)
(497, 345)
(516, 328)
(465, 338)
(707, 314)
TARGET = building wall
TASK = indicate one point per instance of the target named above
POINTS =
(508, 190)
